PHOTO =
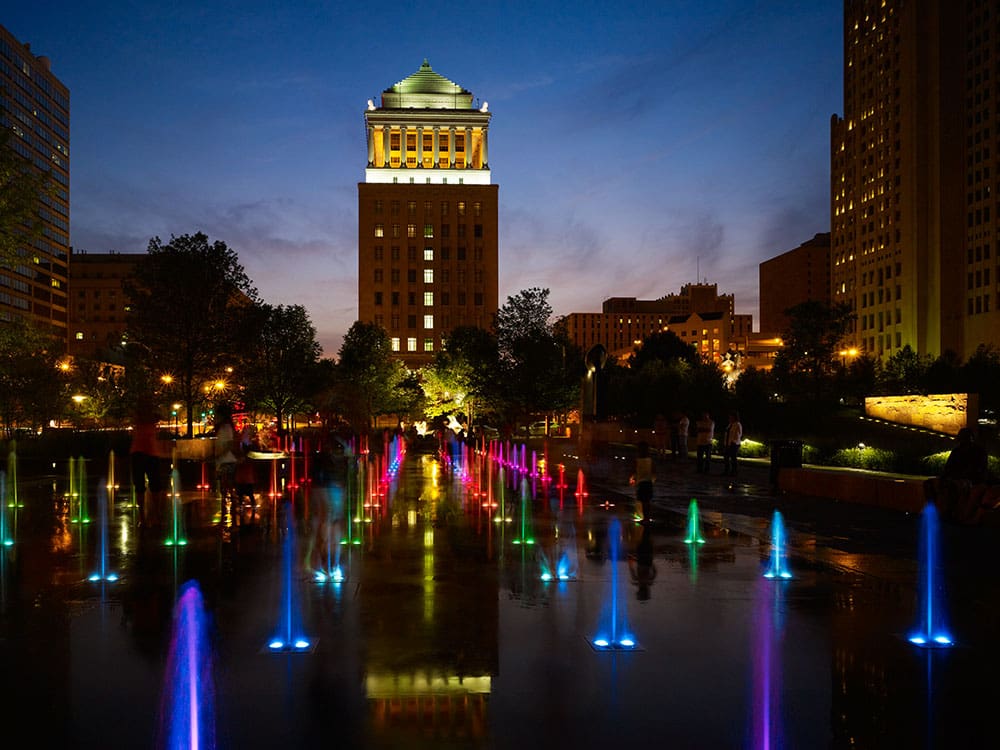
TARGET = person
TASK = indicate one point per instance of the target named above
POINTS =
(144, 453)
(225, 443)
(245, 480)
(959, 491)
(641, 566)
(704, 435)
(675, 440)
(683, 428)
(643, 481)
(734, 436)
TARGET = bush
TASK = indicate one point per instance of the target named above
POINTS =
(753, 449)
(876, 459)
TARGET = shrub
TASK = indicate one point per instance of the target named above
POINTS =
(877, 459)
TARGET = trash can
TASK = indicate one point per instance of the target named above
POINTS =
(785, 454)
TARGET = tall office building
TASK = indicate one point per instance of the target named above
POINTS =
(427, 216)
(34, 108)
(791, 278)
(699, 315)
(914, 167)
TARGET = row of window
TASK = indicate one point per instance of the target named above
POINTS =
(428, 299)
(411, 344)
(378, 276)
(378, 253)
(445, 207)
(412, 231)
(979, 304)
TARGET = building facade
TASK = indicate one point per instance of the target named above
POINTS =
(914, 169)
(98, 303)
(793, 277)
(427, 216)
(699, 315)
(34, 108)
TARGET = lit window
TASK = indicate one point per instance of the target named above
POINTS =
(394, 343)
(428, 230)
(428, 345)
(428, 253)
(79, 335)
(428, 299)
(411, 344)
(428, 275)
(428, 322)
(380, 230)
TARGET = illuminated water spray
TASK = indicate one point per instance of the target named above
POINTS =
(102, 573)
(289, 637)
(778, 566)
(332, 572)
(6, 536)
(177, 537)
(932, 629)
(11, 500)
(77, 491)
(187, 714)
(525, 534)
(563, 564)
(613, 633)
(693, 525)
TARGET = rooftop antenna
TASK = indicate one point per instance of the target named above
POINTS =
(697, 276)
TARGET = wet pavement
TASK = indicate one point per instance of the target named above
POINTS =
(443, 632)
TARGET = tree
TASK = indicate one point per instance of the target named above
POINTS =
(282, 353)
(981, 374)
(664, 346)
(538, 366)
(21, 187)
(189, 299)
(814, 335)
(369, 380)
(463, 374)
(905, 371)
(31, 388)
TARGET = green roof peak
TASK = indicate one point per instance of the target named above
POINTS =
(426, 89)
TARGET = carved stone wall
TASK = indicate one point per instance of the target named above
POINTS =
(946, 412)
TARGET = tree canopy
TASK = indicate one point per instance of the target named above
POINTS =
(21, 187)
(281, 354)
(370, 381)
(538, 366)
(189, 299)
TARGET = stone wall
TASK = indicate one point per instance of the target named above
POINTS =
(947, 412)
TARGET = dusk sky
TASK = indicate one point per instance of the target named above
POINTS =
(634, 144)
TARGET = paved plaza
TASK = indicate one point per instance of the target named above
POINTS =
(451, 627)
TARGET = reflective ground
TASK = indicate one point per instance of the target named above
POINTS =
(443, 632)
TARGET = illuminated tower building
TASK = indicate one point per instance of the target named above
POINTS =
(914, 164)
(34, 108)
(427, 216)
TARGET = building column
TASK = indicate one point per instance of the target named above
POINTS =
(437, 131)
(371, 146)
(402, 147)
(420, 146)
(486, 161)
(386, 141)
(451, 147)
(468, 147)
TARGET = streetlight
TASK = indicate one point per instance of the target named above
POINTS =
(176, 408)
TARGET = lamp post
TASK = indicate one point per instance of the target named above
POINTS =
(176, 408)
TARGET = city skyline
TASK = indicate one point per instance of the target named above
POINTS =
(633, 153)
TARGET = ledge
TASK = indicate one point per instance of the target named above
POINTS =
(903, 493)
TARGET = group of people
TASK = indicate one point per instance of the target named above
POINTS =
(233, 469)
(679, 429)
(642, 478)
